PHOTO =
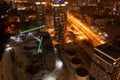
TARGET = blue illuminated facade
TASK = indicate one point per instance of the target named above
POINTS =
(58, 1)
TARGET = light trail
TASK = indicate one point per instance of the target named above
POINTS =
(81, 35)
(84, 30)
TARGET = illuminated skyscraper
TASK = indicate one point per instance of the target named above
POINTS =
(59, 19)
(40, 12)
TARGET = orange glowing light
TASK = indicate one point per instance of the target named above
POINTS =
(84, 30)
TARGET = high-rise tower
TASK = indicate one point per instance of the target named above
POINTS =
(60, 20)
(40, 12)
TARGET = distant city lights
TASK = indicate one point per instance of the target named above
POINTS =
(38, 3)
(66, 2)
(56, 5)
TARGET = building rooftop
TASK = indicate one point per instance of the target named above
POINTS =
(109, 50)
